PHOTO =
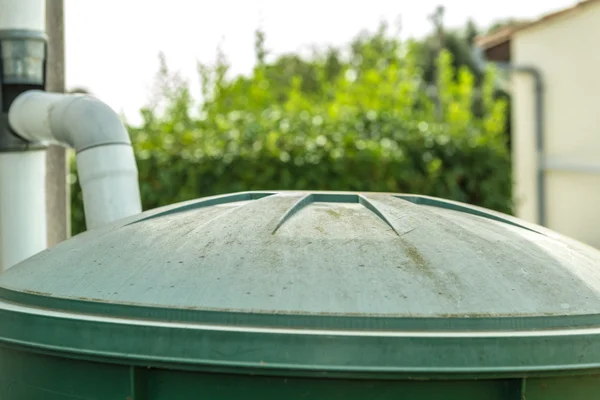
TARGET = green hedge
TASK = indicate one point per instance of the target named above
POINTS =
(370, 129)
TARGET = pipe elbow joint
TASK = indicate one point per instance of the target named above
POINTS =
(72, 120)
(105, 161)
(85, 122)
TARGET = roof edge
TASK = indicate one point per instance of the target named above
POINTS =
(505, 34)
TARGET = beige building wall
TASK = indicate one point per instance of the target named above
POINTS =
(564, 50)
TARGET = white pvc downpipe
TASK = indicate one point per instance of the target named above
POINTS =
(23, 14)
(22, 206)
(22, 173)
(109, 182)
(105, 161)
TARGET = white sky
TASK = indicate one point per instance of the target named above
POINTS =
(112, 46)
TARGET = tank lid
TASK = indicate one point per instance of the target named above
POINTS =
(309, 280)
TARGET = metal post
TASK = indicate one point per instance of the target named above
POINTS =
(57, 189)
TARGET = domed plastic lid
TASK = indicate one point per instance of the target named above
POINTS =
(324, 281)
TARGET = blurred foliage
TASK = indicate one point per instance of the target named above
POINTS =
(361, 118)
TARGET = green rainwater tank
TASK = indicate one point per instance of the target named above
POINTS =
(295, 295)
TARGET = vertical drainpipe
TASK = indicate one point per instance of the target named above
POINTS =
(22, 162)
(539, 133)
(30, 119)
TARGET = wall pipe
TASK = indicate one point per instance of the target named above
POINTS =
(105, 160)
(539, 133)
(22, 206)
(23, 14)
(22, 163)
(30, 119)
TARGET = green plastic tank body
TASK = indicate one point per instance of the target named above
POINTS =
(305, 295)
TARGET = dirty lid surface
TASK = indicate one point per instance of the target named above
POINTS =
(307, 280)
